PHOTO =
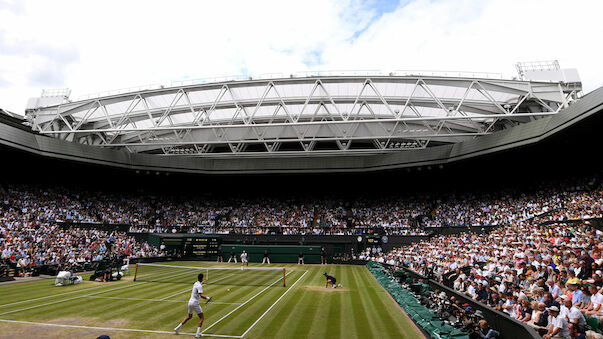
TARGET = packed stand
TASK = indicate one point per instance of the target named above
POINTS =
(545, 271)
(397, 215)
(30, 236)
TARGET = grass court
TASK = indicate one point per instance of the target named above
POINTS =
(245, 304)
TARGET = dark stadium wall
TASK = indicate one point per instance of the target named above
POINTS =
(575, 151)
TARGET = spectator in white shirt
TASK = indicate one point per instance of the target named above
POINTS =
(558, 325)
(596, 300)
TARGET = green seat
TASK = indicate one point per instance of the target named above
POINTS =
(593, 323)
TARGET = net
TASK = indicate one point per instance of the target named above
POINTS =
(247, 276)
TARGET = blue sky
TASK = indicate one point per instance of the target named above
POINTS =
(98, 46)
(378, 8)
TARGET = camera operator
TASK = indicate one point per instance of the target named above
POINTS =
(470, 321)
(3, 270)
(457, 308)
(429, 270)
(109, 243)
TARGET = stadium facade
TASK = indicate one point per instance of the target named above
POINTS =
(320, 122)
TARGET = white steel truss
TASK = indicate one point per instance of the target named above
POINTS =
(294, 116)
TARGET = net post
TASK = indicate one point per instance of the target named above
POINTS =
(284, 275)
(135, 271)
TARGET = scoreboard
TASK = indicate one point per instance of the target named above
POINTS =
(373, 239)
(201, 246)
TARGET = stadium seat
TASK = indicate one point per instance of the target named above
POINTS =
(593, 323)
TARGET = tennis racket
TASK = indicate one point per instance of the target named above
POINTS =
(207, 300)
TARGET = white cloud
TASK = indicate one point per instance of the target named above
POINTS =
(99, 46)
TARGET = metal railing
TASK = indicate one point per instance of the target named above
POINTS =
(299, 74)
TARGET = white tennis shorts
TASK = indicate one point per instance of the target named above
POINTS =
(194, 308)
(243, 260)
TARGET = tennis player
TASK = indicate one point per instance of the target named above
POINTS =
(330, 280)
(193, 305)
(244, 260)
(266, 257)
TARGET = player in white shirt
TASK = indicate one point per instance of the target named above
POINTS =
(244, 261)
(193, 305)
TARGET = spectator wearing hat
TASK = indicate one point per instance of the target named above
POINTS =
(558, 325)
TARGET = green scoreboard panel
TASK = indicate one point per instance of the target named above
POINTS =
(201, 246)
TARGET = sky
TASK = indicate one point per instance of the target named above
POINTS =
(95, 46)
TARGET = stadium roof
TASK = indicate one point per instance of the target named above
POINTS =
(583, 112)
(305, 115)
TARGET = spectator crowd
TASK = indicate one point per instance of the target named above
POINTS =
(543, 266)
(389, 215)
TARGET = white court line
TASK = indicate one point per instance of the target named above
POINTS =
(163, 274)
(54, 295)
(243, 304)
(65, 293)
(72, 298)
(164, 300)
(189, 289)
(271, 306)
(85, 295)
(113, 328)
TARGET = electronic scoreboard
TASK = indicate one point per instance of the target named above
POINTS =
(201, 246)
(373, 239)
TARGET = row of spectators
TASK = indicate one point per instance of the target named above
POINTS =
(275, 230)
(545, 271)
(392, 214)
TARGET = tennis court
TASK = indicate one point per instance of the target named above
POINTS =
(245, 303)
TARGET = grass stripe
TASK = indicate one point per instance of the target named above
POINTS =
(364, 328)
(277, 300)
(212, 325)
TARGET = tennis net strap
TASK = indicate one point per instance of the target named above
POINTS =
(251, 276)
